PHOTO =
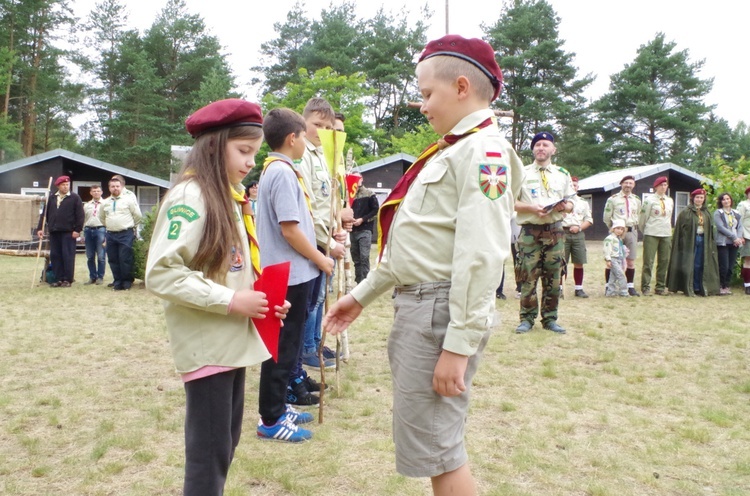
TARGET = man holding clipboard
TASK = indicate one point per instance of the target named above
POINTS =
(542, 203)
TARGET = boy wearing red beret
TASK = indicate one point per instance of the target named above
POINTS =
(445, 234)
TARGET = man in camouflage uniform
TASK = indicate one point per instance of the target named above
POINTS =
(625, 206)
(541, 205)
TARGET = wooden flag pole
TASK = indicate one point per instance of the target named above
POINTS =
(41, 238)
(498, 113)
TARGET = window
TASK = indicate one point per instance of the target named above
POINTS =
(682, 200)
(148, 198)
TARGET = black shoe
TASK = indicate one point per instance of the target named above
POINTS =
(554, 327)
(524, 327)
(311, 384)
(90, 281)
(633, 292)
(111, 285)
(581, 293)
(297, 394)
(500, 296)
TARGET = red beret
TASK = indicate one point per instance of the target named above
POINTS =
(699, 191)
(473, 50)
(747, 190)
(222, 114)
(574, 178)
(659, 180)
(62, 179)
(626, 178)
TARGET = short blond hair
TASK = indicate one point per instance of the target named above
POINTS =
(451, 68)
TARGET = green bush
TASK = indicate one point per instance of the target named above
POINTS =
(140, 246)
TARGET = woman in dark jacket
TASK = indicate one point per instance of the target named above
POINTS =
(728, 239)
(694, 264)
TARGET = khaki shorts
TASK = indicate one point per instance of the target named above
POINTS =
(630, 239)
(575, 247)
(428, 429)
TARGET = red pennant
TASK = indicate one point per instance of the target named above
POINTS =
(273, 282)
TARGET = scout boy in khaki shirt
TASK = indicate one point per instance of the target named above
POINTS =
(446, 226)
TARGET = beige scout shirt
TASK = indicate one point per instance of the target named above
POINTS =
(120, 213)
(533, 192)
(655, 218)
(743, 208)
(581, 213)
(317, 179)
(91, 213)
(447, 229)
(618, 208)
(196, 308)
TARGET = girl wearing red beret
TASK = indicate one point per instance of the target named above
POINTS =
(202, 261)
(694, 264)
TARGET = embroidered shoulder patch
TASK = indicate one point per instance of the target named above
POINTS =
(493, 180)
(562, 169)
(183, 211)
(494, 154)
(174, 229)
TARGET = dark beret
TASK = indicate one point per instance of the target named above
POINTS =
(544, 135)
(659, 180)
(62, 179)
(473, 50)
(747, 190)
(626, 178)
(699, 191)
(232, 112)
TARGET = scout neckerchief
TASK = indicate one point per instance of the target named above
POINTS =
(268, 162)
(545, 181)
(728, 218)
(663, 208)
(388, 210)
(251, 236)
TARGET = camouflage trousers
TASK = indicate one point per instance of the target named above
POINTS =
(541, 251)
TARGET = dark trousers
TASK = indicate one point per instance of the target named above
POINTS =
(698, 264)
(727, 259)
(213, 424)
(361, 244)
(62, 254)
(120, 254)
(274, 376)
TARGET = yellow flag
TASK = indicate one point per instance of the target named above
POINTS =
(333, 150)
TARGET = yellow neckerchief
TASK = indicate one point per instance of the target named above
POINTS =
(729, 216)
(251, 235)
(270, 160)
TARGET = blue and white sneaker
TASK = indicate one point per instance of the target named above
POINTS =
(283, 430)
(297, 417)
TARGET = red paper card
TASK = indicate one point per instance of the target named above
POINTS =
(273, 282)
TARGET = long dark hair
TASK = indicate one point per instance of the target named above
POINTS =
(720, 198)
(205, 164)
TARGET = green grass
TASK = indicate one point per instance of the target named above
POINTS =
(646, 396)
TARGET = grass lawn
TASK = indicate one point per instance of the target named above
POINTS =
(642, 396)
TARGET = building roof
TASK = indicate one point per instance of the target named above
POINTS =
(385, 161)
(609, 180)
(59, 152)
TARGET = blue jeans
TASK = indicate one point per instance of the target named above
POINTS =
(315, 316)
(698, 264)
(96, 255)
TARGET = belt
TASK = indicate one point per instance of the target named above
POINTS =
(122, 230)
(93, 227)
(543, 227)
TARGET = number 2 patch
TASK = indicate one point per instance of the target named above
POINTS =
(174, 229)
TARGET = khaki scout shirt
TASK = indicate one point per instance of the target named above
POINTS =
(534, 193)
(196, 308)
(120, 213)
(655, 220)
(448, 229)
(91, 213)
(743, 208)
(317, 179)
(580, 214)
(617, 208)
